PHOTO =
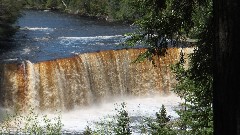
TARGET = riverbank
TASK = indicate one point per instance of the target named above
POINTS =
(106, 18)
(112, 11)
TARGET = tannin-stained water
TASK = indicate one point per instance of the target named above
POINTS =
(85, 79)
(62, 66)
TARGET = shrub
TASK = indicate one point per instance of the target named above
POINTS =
(32, 123)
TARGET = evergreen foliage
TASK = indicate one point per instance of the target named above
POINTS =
(9, 13)
(119, 124)
(195, 86)
(54, 4)
(162, 117)
(170, 23)
(123, 121)
(112, 10)
(32, 123)
(161, 125)
(122, 10)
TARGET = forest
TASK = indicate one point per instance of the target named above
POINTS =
(107, 9)
(208, 86)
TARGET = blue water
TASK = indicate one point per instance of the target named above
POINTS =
(50, 35)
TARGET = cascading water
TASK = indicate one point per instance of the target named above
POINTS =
(84, 79)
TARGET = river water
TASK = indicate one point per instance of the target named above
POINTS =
(46, 35)
(50, 35)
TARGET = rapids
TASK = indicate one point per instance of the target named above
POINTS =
(51, 35)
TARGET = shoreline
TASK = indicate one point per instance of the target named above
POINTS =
(84, 15)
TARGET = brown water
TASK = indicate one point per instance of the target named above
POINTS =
(84, 79)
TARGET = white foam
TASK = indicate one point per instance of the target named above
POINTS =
(90, 38)
(26, 51)
(38, 28)
(9, 60)
(78, 119)
(75, 121)
(85, 40)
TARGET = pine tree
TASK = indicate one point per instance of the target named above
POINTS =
(123, 121)
(162, 118)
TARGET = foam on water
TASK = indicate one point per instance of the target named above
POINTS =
(77, 120)
(90, 38)
(38, 28)
(95, 40)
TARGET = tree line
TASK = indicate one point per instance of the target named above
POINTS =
(107, 9)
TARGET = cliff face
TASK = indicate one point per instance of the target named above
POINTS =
(84, 79)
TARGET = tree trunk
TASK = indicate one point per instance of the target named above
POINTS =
(226, 85)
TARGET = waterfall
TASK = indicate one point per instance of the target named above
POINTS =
(84, 79)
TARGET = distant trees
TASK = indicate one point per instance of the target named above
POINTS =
(110, 9)
(122, 10)
(9, 12)
(54, 4)
(38, 4)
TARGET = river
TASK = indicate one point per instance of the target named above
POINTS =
(46, 35)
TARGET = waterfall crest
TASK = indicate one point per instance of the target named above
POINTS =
(84, 79)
